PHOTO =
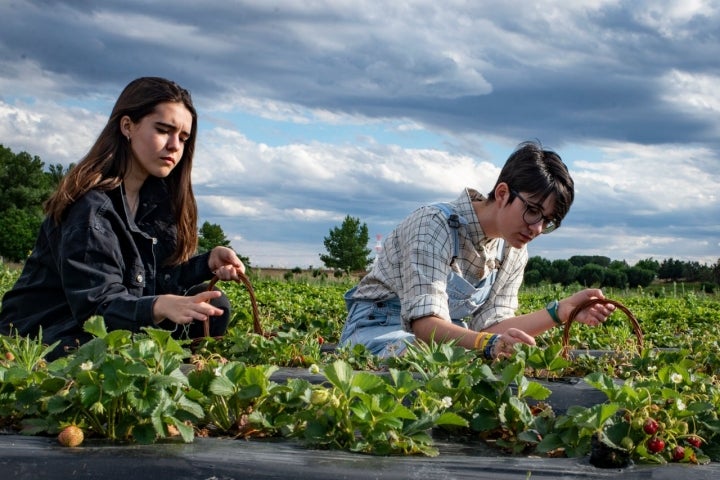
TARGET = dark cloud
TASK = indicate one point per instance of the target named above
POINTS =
(610, 76)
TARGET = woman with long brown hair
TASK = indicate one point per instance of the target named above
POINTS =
(121, 232)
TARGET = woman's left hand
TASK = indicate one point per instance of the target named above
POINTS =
(594, 315)
(225, 264)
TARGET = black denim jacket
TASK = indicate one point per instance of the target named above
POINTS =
(100, 262)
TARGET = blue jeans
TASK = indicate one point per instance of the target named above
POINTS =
(377, 325)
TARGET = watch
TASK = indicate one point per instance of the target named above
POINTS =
(552, 309)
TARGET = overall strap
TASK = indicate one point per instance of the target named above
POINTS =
(500, 250)
(454, 221)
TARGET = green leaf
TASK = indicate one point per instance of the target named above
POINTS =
(34, 426)
(536, 391)
(529, 436)
(339, 374)
(401, 411)
(193, 408)
(404, 382)
(58, 404)
(117, 339)
(451, 418)
(96, 326)
(222, 386)
(94, 351)
(365, 382)
(512, 372)
(144, 433)
(550, 442)
(186, 431)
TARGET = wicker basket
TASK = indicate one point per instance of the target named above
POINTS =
(257, 327)
(590, 303)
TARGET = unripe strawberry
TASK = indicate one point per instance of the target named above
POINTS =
(650, 426)
(9, 356)
(655, 444)
(627, 443)
(682, 428)
(319, 397)
(71, 436)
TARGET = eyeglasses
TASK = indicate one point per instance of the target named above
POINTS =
(534, 214)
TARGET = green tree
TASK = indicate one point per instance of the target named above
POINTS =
(542, 269)
(590, 274)
(346, 246)
(614, 277)
(639, 277)
(57, 172)
(532, 278)
(649, 264)
(25, 186)
(18, 229)
(563, 272)
(211, 235)
(671, 269)
(582, 260)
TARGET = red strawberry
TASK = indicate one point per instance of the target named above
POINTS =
(655, 444)
(9, 356)
(650, 426)
(71, 436)
(678, 453)
(695, 441)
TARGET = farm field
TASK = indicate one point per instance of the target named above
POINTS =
(650, 407)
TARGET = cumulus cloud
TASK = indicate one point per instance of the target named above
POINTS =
(313, 110)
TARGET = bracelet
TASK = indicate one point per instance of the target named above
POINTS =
(489, 346)
(552, 309)
(480, 340)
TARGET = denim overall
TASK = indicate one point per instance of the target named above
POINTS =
(378, 325)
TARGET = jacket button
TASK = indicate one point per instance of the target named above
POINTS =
(139, 278)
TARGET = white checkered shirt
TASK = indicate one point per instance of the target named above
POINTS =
(414, 264)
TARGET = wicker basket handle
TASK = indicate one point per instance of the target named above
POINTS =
(257, 327)
(590, 303)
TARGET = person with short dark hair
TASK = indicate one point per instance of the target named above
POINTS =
(452, 271)
(120, 235)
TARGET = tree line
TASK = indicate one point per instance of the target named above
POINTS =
(600, 271)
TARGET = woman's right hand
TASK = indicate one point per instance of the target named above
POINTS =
(183, 310)
(504, 346)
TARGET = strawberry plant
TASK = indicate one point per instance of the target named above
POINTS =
(121, 387)
(661, 404)
(368, 413)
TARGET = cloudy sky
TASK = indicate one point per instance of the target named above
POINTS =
(314, 110)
